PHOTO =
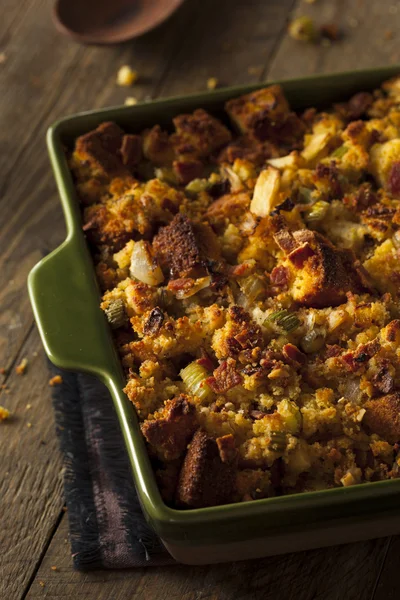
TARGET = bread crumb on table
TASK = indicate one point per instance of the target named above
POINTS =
(3, 57)
(130, 101)
(303, 29)
(42, 583)
(255, 70)
(4, 414)
(53, 568)
(2, 371)
(21, 368)
(126, 76)
(212, 83)
(56, 380)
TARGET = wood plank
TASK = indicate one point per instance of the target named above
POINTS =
(387, 586)
(370, 37)
(30, 482)
(44, 77)
(302, 576)
(233, 43)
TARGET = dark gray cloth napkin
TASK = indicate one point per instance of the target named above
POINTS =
(107, 526)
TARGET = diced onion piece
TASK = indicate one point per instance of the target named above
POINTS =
(290, 160)
(115, 313)
(198, 284)
(266, 192)
(234, 179)
(253, 288)
(143, 264)
(194, 377)
(316, 145)
(312, 341)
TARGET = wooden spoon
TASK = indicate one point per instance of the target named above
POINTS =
(110, 21)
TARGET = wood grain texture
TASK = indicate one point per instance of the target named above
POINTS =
(369, 30)
(46, 77)
(31, 478)
(347, 572)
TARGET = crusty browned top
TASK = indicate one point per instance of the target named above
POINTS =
(252, 277)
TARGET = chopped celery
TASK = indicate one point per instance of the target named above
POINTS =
(115, 313)
(194, 376)
(285, 319)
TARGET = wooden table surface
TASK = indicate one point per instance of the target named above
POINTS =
(43, 77)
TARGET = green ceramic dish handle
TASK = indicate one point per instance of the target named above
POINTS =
(63, 292)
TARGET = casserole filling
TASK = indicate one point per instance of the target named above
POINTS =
(251, 276)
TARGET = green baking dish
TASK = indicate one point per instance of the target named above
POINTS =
(65, 299)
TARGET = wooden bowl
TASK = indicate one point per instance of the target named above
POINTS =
(110, 21)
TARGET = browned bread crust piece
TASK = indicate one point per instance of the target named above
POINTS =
(170, 431)
(383, 416)
(208, 473)
(183, 247)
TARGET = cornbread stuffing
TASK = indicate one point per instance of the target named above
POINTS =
(21, 368)
(126, 76)
(4, 414)
(251, 277)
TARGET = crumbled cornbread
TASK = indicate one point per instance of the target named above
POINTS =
(21, 368)
(126, 76)
(3, 371)
(53, 568)
(212, 83)
(4, 414)
(130, 101)
(252, 284)
(303, 29)
(56, 380)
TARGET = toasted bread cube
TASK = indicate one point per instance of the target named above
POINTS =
(392, 87)
(207, 477)
(229, 206)
(266, 192)
(100, 149)
(383, 416)
(385, 165)
(254, 112)
(320, 273)
(199, 134)
(169, 432)
(322, 140)
(157, 147)
(183, 247)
